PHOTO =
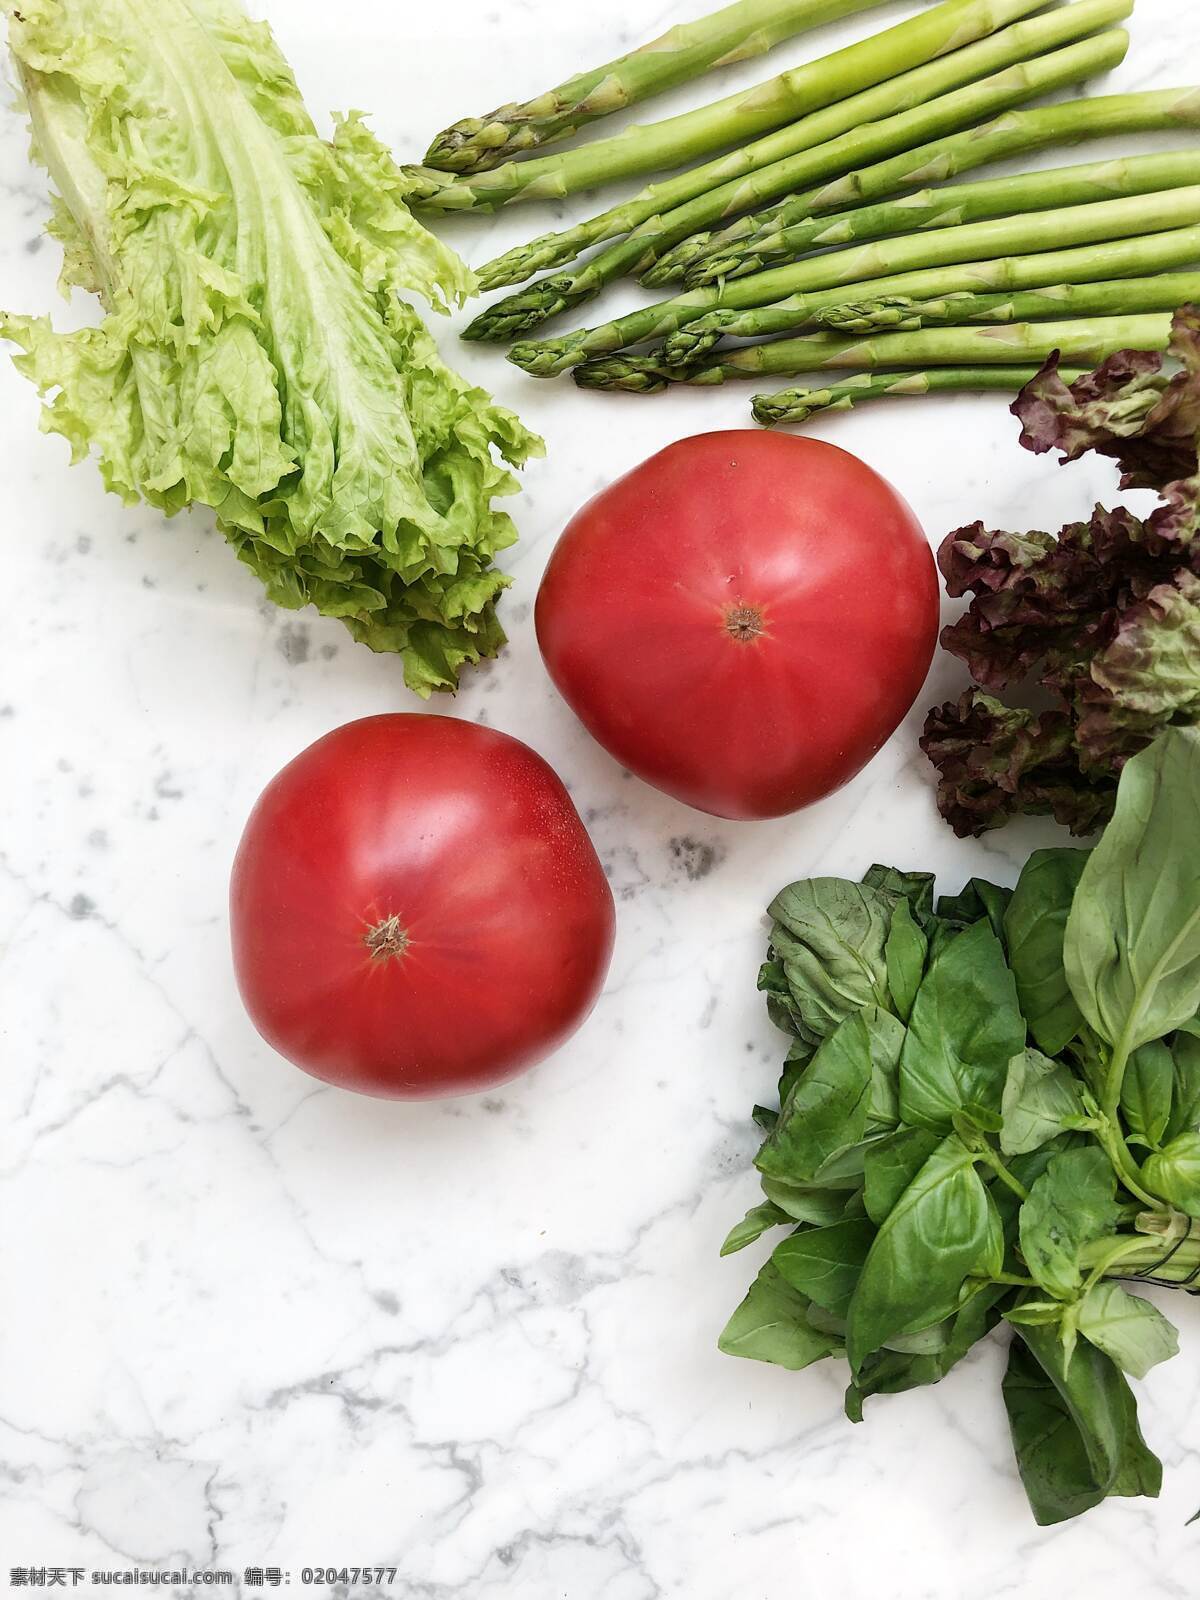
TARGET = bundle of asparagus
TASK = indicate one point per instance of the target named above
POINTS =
(749, 28)
(1132, 262)
(830, 219)
(1044, 127)
(740, 31)
(1135, 217)
(943, 114)
(730, 179)
(952, 206)
(663, 145)
(1083, 341)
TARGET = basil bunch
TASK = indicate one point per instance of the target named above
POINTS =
(991, 1111)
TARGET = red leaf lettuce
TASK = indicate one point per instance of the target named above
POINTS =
(1098, 624)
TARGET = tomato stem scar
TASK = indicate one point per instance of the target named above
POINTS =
(386, 938)
(744, 623)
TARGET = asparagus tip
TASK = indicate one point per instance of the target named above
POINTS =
(722, 269)
(662, 274)
(425, 184)
(518, 314)
(631, 374)
(685, 347)
(514, 266)
(895, 312)
(546, 358)
(795, 406)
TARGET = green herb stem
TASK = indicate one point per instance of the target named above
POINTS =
(1118, 1249)
(1108, 1132)
(997, 1165)
(1173, 1264)
(1114, 1078)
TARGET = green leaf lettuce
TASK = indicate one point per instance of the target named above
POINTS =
(256, 355)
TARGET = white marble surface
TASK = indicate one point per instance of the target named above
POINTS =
(251, 1320)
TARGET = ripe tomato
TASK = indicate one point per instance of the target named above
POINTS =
(417, 909)
(743, 620)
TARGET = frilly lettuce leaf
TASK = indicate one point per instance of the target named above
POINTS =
(1149, 675)
(256, 354)
(1137, 407)
(995, 761)
(1104, 616)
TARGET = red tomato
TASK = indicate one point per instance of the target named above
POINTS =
(417, 909)
(743, 620)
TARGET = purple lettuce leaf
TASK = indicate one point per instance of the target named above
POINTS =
(1149, 675)
(996, 761)
(1099, 623)
(1140, 408)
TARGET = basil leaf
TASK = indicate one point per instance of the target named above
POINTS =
(1036, 1314)
(1075, 1432)
(825, 1263)
(846, 1088)
(1146, 1093)
(891, 1165)
(1041, 1100)
(1027, 1169)
(886, 1038)
(979, 900)
(974, 1119)
(842, 1174)
(893, 1372)
(771, 1324)
(942, 1230)
(1088, 1054)
(1132, 949)
(803, 1203)
(764, 1118)
(925, 1342)
(915, 887)
(1185, 1097)
(1072, 1203)
(757, 1221)
(1129, 1330)
(904, 953)
(823, 1321)
(772, 981)
(964, 1030)
(1141, 1471)
(844, 1170)
(1034, 926)
(941, 936)
(1174, 1173)
(828, 939)
(795, 1065)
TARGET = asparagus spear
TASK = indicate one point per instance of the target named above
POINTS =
(844, 394)
(1179, 247)
(1014, 134)
(973, 241)
(1084, 341)
(967, 202)
(1019, 42)
(686, 51)
(530, 307)
(1166, 291)
(732, 121)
